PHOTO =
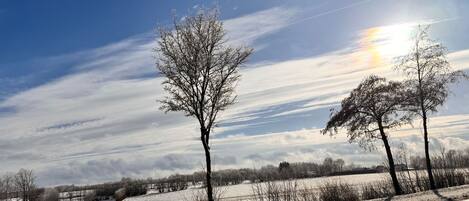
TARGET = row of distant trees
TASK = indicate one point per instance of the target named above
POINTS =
(442, 160)
(329, 166)
(118, 190)
(22, 185)
(284, 170)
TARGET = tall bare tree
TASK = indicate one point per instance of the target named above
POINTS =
(201, 72)
(24, 181)
(367, 112)
(428, 77)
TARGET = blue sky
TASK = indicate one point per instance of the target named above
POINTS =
(78, 83)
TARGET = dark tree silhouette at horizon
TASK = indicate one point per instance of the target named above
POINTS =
(367, 112)
(428, 76)
(201, 72)
(25, 184)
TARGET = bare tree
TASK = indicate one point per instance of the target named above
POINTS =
(327, 166)
(370, 109)
(24, 182)
(339, 165)
(7, 186)
(201, 72)
(428, 77)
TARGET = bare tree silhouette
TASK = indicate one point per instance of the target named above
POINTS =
(7, 185)
(25, 183)
(370, 109)
(428, 76)
(201, 72)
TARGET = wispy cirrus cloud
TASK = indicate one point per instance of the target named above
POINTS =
(108, 96)
(101, 122)
(246, 29)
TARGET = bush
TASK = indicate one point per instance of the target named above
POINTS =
(135, 188)
(376, 190)
(90, 196)
(108, 189)
(449, 177)
(287, 190)
(416, 181)
(201, 194)
(50, 194)
(119, 195)
(336, 191)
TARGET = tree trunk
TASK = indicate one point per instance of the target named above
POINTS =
(204, 137)
(424, 120)
(427, 152)
(392, 168)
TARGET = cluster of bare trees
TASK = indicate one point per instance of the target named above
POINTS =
(20, 185)
(201, 72)
(378, 105)
(126, 187)
(443, 159)
(330, 165)
(450, 169)
(175, 182)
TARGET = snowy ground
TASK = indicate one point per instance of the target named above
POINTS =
(244, 191)
(453, 193)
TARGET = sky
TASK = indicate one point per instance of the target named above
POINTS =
(79, 87)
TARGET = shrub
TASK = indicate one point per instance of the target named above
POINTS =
(50, 194)
(337, 191)
(119, 195)
(288, 190)
(201, 194)
(135, 188)
(90, 196)
(376, 190)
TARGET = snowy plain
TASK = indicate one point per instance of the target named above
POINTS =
(241, 192)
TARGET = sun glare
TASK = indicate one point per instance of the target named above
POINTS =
(387, 42)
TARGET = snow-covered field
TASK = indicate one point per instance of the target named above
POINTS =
(235, 192)
(452, 193)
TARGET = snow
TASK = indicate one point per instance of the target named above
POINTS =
(234, 192)
(452, 193)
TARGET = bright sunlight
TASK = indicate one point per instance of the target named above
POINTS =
(387, 42)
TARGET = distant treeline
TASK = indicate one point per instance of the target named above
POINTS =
(284, 170)
(445, 159)
(22, 184)
(178, 182)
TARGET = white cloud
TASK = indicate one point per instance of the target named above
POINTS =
(102, 122)
(246, 29)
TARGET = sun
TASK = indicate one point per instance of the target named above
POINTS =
(387, 42)
(396, 40)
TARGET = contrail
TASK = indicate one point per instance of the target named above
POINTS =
(331, 11)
